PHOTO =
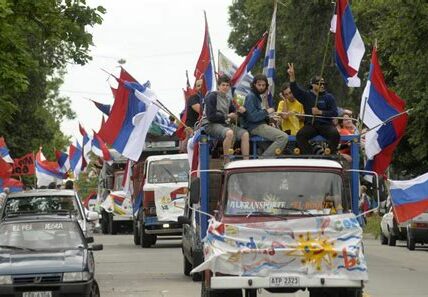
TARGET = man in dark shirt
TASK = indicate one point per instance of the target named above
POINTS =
(324, 109)
(193, 106)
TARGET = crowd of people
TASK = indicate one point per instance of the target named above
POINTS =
(304, 113)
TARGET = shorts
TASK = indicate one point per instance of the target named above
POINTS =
(219, 130)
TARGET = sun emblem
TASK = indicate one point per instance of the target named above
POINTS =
(314, 251)
(271, 201)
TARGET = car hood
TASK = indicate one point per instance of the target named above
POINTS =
(23, 262)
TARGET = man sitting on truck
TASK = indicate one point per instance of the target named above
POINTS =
(256, 117)
(322, 105)
(220, 118)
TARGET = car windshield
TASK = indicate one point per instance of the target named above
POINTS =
(40, 235)
(42, 205)
(168, 171)
(284, 193)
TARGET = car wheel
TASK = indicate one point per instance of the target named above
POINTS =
(383, 238)
(187, 266)
(146, 240)
(104, 222)
(410, 242)
(95, 291)
(112, 226)
(136, 232)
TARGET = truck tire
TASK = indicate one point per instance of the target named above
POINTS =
(146, 240)
(112, 226)
(187, 266)
(251, 293)
(104, 222)
(206, 292)
(383, 238)
(411, 244)
(136, 232)
(392, 240)
(95, 290)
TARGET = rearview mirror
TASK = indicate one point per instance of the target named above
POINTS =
(92, 216)
(96, 247)
(183, 220)
(195, 190)
(89, 239)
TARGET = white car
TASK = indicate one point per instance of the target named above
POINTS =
(48, 202)
(413, 231)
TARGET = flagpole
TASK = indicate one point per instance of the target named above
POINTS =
(210, 46)
(322, 66)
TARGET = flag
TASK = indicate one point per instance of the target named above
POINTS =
(103, 121)
(47, 171)
(126, 182)
(100, 149)
(104, 108)
(205, 65)
(24, 165)
(249, 62)
(193, 152)
(63, 161)
(227, 67)
(5, 169)
(349, 46)
(75, 155)
(409, 197)
(14, 185)
(4, 151)
(162, 123)
(85, 201)
(269, 62)
(378, 106)
(86, 147)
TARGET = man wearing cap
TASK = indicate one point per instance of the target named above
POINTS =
(323, 108)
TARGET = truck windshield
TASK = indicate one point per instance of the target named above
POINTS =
(40, 235)
(284, 193)
(168, 171)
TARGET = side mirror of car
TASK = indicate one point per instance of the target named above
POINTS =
(184, 220)
(92, 216)
(89, 239)
(96, 247)
(195, 190)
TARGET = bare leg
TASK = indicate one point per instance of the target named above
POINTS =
(227, 142)
(245, 145)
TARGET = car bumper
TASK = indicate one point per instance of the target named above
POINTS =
(419, 234)
(58, 290)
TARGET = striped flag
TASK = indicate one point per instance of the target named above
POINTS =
(269, 63)
(4, 151)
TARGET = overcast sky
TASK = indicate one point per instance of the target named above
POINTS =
(159, 39)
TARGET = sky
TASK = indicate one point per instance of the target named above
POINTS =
(159, 39)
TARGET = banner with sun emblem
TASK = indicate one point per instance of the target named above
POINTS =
(323, 246)
(170, 202)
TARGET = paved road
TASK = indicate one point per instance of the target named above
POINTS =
(126, 270)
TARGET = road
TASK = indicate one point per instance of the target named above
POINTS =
(126, 270)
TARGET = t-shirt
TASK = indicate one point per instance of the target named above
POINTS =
(192, 115)
(292, 123)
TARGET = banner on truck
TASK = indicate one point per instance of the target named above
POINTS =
(170, 202)
(324, 246)
(118, 202)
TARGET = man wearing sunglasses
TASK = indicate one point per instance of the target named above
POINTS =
(320, 104)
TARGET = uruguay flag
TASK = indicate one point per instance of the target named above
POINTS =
(14, 185)
(378, 106)
(104, 108)
(4, 151)
(86, 146)
(226, 66)
(76, 159)
(249, 62)
(47, 171)
(100, 149)
(63, 161)
(161, 122)
(205, 66)
(349, 44)
(269, 62)
(409, 197)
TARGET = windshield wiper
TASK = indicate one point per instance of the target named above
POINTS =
(12, 247)
(303, 211)
(169, 172)
(266, 213)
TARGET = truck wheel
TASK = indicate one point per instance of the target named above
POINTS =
(146, 240)
(207, 292)
(197, 277)
(187, 266)
(112, 226)
(136, 232)
(392, 240)
(251, 293)
(104, 222)
(95, 290)
(383, 238)
(410, 242)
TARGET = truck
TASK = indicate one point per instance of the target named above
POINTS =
(283, 224)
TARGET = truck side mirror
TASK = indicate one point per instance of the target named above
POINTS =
(183, 220)
(195, 190)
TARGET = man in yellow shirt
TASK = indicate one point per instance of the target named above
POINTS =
(288, 109)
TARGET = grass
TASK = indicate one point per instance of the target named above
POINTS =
(373, 225)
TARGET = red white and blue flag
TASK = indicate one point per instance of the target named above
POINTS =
(63, 161)
(378, 106)
(349, 46)
(409, 197)
(104, 108)
(4, 151)
(249, 62)
(76, 158)
(205, 66)
(100, 149)
(14, 185)
(47, 171)
(86, 146)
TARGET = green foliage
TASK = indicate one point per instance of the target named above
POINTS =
(400, 27)
(37, 40)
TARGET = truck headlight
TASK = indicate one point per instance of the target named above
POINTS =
(76, 276)
(5, 280)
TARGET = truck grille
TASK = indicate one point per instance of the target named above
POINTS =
(37, 279)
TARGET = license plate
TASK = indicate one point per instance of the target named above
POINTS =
(284, 281)
(37, 294)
